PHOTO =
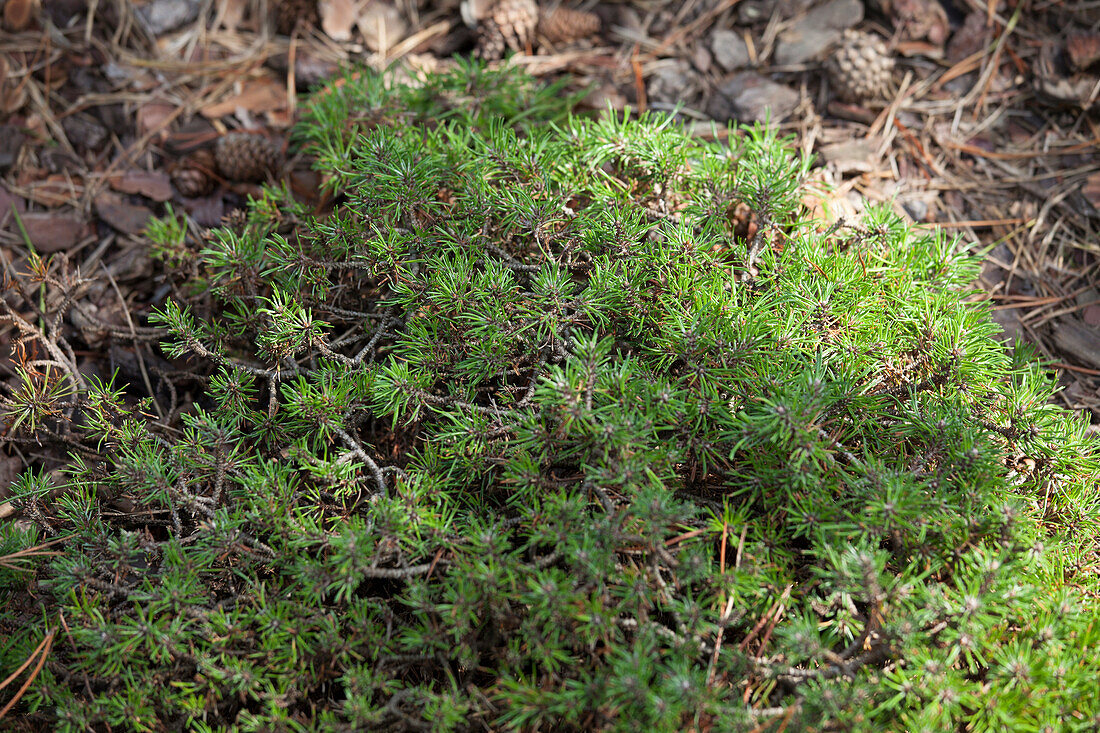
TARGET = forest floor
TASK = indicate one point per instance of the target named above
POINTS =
(112, 113)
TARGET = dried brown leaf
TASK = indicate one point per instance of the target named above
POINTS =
(264, 94)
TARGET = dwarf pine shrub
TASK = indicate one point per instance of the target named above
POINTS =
(522, 435)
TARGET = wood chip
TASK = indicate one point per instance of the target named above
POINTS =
(153, 116)
(13, 93)
(1083, 49)
(121, 215)
(50, 232)
(206, 211)
(1091, 315)
(18, 14)
(1075, 338)
(152, 184)
(7, 200)
(1091, 190)
(55, 190)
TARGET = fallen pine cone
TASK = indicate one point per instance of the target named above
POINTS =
(509, 24)
(861, 67)
(246, 156)
(194, 176)
(562, 25)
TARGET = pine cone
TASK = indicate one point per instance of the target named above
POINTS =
(562, 25)
(194, 175)
(246, 156)
(510, 24)
(289, 12)
(860, 68)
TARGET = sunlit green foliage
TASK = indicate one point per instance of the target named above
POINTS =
(523, 436)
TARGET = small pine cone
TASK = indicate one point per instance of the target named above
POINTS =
(510, 24)
(194, 175)
(289, 12)
(860, 68)
(245, 156)
(562, 25)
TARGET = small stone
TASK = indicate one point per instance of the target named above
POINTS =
(751, 12)
(673, 83)
(701, 58)
(1086, 297)
(850, 156)
(916, 209)
(603, 97)
(800, 45)
(84, 134)
(161, 16)
(1009, 320)
(729, 49)
(750, 97)
(816, 31)
(382, 26)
